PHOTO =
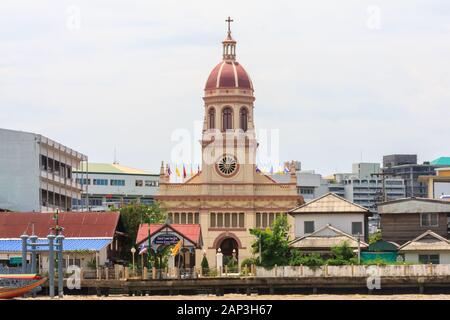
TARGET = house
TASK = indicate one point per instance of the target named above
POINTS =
(404, 219)
(162, 235)
(427, 248)
(90, 237)
(333, 210)
(439, 184)
(327, 237)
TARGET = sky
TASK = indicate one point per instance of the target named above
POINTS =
(341, 81)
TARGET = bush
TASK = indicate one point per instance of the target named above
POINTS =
(310, 260)
(204, 263)
(248, 262)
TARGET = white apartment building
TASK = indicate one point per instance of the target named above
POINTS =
(36, 173)
(114, 185)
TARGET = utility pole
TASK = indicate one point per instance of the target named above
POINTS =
(260, 249)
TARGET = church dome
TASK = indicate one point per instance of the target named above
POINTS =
(228, 74)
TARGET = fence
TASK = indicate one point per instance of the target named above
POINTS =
(422, 270)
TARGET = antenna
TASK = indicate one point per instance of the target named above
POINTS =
(115, 156)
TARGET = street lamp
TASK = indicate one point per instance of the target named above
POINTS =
(133, 251)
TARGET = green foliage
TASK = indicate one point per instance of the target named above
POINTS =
(274, 243)
(310, 260)
(342, 255)
(92, 264)
(133, 215)
(248, 262)
(204, 263)
(375, 237)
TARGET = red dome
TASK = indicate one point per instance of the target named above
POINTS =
(228, 74)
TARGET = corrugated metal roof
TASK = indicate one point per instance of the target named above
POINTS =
(442, 161)
(75, 224)
(329, 203)
(189, 231)
(112, 168)
(427, 241)
(69, 244)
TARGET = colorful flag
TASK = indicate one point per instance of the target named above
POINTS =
(184, 172)
(142, 249)
(176, 249)
(192, 173)
(271, 170)
(177, 171)
(169, 172)
(258, 170)
(198, 169)
(286, 170)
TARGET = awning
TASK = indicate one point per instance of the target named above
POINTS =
(69, 244)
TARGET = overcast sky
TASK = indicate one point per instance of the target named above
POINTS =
(341, 80)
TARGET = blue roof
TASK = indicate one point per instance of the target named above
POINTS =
(69, 244)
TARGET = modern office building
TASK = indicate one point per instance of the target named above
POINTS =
(113, 185)
(406, 167)
(36, 173)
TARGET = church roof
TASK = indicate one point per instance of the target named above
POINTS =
(228, 74)
(329, 203)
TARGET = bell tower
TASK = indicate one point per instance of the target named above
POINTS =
(228, 138)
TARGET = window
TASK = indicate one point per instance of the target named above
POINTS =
(170, 217)
(264, 220)
(258, 220)
(357, 228)
(120, 183)
(309, 226)
(151, 183)
(241, 220)
(243, 118)
(227, 220)
(429, 220)
(196, 218)
(212, 118)
(429, 258)
(177, 217)
(234, 220)
(83, 181)
(190, 218)
(212, 220)
(183, 218)
(227, 119)
(219, 220)
(139, 183)
(100, 182)
(271, 218)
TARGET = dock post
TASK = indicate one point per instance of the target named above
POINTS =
(144, 273)
(126, 273)
(59, 241)
(106, 273)
(51, 266)
(24, 238)
(153, 273)
(226, 271)
(33, 249)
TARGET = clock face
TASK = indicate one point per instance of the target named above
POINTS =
(227, 165)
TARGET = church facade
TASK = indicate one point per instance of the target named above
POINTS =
(229, 196)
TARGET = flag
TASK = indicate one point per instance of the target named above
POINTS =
(176, 249)
(286, 170)
(257, 169)
(198, 169)
(271, 170)
(169, 172)
(184, 171)
(177, 171)
(192, 173)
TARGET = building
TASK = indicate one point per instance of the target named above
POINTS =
(229, 196)
(323, 240)
(331, 210)
(406, 167)
(439, 184)
(36, 173)
(90, 238)
(114, 185)
(404, 219)
(441, 162)
(427, 248)
(190, 236)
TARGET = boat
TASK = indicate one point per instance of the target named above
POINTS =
(14, 292)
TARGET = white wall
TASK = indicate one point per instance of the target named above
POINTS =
(19, 171)
(342, 222)
(413, 257)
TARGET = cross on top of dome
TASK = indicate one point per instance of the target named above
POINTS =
(229, 44)
(229, 21)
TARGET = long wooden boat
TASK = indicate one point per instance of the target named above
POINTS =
(14, 292)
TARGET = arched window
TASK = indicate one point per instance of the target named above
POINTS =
(243, 118)
(212, 118)
(227, 118)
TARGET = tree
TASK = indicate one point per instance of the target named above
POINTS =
(342, 255)
(133, 215)
(312, 260)
(375, 237)
(274, 243)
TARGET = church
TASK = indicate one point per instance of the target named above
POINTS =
(229, 196)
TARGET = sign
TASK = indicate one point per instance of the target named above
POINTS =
(166, 239)
(15, 261)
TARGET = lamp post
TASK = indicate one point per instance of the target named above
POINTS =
(133, 251)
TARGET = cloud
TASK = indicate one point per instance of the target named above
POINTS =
(133, 72)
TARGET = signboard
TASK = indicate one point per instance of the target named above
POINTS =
(166, 239)
(15, 261)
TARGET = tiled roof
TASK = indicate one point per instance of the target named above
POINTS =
(329, 203)
(427, 241)
(325, 238)
(191, 232)
(110, 168)
(75, 224)
(69, 244)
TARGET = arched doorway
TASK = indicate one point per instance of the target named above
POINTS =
(227, 246)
